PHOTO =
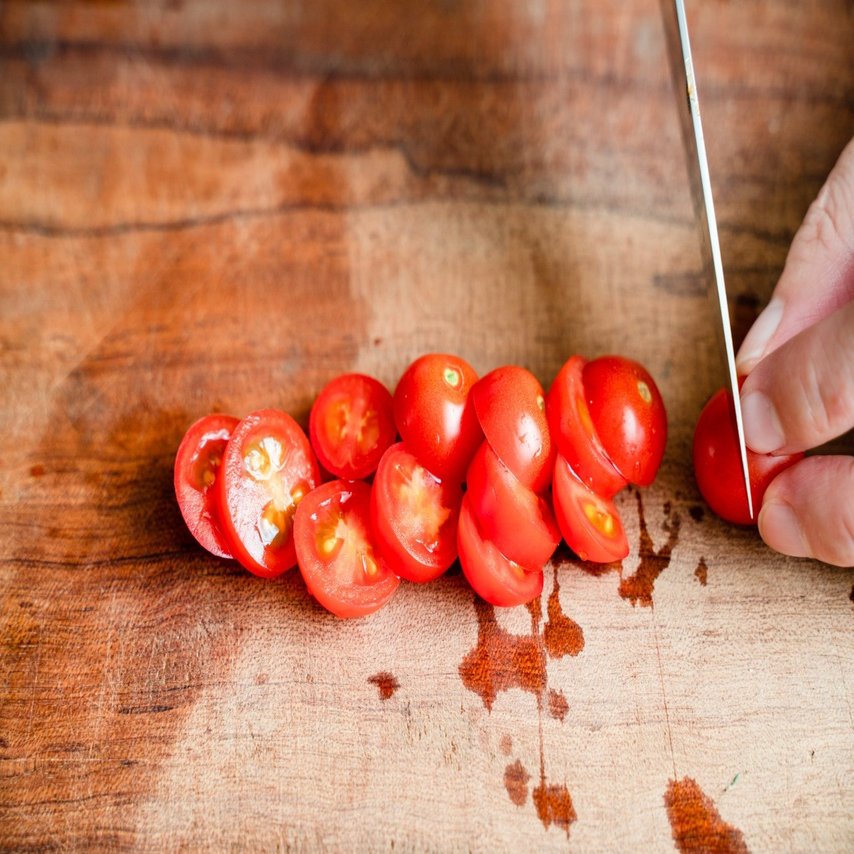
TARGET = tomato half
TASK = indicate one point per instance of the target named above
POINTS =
(197, 466)
(511, 407)
(717, 463)
(435, 416)
(268, 468)
(591, 525)
(414, 515)
(628, 413)
(574, 434)
(338, 559)
(492, 576)
(351, 425)
(517, 519)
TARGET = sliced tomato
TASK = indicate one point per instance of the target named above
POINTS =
(574, 434)
(197, 465)
(435, 416)
(591, 525)
(628, 413)
(414, 516)
(268, 468)
(351, 425)
(338, 558)
(511, 407)
(517, 519)
(493, 576)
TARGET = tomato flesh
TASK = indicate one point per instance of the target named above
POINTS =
(717, 463)
(267, 470)
(351, 425)
(414, 515)
(493, 576)
(197, 466)
(574, 434)
(590, 524)
(514, 517)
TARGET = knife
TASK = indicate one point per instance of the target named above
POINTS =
(682, 66)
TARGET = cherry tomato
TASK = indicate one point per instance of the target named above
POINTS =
(338, 558)
(629, 416)
(492, 576)
(574, 434)
(717, 463)
(351, 425)
(196, 470)
(590, 524)
(414, 515)
(511, 407)
(435, 416)
(268, 468)
(514, 517)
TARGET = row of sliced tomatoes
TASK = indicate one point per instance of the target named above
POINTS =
(490, 470)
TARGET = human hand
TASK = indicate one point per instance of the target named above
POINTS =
(799, 391)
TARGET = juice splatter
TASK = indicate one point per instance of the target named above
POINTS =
(386, 683)
(702, 572)
(516, 782)
(558, 706)
(696, 823)
(561, 635)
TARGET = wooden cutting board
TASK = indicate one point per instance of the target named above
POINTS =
(218, 206)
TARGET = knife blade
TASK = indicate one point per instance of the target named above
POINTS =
(682, 67)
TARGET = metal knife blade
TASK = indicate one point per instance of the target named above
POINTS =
(682, 66)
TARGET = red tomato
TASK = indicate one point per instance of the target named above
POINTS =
(435, 416)
(717, 463)
(590, 525)
(196, 469)
(629, 416)
(511, 407)
(492, 576)
(267, 470)
(574, 434)
(351, 425)
(337, 555)
(514, 517)
(414, 516)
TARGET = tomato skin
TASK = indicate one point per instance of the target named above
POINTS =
(273, 446)
(574, 434)
(414, 516)
(511, 407)
(351, 425)
(434, 413)
(492, 576)
(197, 465)
(572, 502)
(628, 413)
(717, 463)
(514, 517)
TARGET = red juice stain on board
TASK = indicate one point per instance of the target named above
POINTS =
(558, 706)
(702, 572)
(554, 805)
(638, 587)
(696, 823)
(37, 470)
(386, 683)
(516, 782)
(561, 635)
(506, 744)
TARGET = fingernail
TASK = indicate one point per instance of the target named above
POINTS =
(763, 431)
(755, 343)
(780, 528)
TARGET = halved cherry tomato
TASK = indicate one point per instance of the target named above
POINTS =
(435, 416)
(590, 524)
(414, 515)
(628, 413)
(511, 407)
(338, 558)
(574, 434)
(717, 463)
(268, 468)
(514, 517)
(351, 425)
(196, 470)
(492, 576)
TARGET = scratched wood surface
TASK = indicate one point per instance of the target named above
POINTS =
(212, 205)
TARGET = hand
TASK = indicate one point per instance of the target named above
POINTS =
(799, 392)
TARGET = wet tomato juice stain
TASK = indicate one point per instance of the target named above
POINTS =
(696, 823)
(386, 683)
(702, 571)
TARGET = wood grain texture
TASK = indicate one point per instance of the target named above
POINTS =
(209, 205)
